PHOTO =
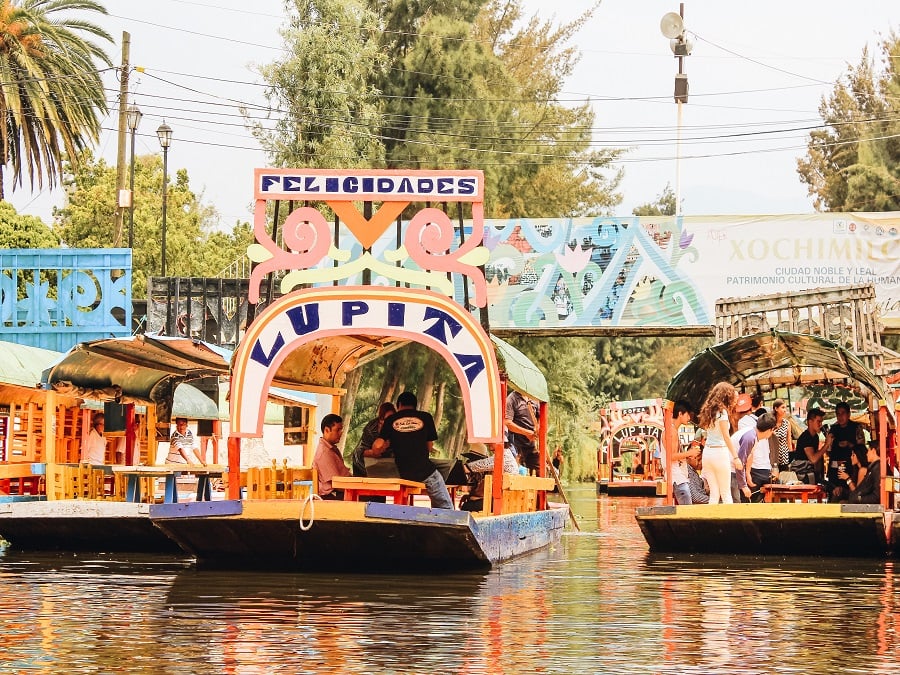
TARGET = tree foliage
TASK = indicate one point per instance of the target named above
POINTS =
(323, 90)
(853, 163)
(21, 231)
(193, 246)
(52, 97)
(439, 84)
(663, 205)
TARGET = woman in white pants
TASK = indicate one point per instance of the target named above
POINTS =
(719, 453)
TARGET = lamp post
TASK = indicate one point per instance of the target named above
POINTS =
(672, 27)
(164, 132)
(133, 118)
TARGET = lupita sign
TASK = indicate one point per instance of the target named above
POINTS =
(426, 317)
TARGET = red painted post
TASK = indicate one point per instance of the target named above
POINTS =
(542, 456)
(497, 475)
(234, 467)
(130, 435)
(882, 452)
(670, 443)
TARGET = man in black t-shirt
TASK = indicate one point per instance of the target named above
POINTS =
(807, 447)
(410, 434)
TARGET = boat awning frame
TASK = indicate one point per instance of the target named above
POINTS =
(771, 359)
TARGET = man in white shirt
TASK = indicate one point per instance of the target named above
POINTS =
(753, 451)
(93, 450)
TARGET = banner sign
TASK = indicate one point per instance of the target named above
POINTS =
(667, 271)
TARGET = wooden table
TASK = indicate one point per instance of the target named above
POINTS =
(776, 492)
(402, 491)
(170, 472)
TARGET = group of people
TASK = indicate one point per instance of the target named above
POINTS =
(740, 446)
(408, 434)
(183, 448)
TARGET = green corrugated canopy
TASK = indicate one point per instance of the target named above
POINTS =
(22, 364)
(521, 373)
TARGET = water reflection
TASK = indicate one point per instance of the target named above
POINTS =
(596, 603)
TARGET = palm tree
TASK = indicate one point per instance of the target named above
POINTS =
(51, 93)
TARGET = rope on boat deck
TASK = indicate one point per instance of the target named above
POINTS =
(310, 498)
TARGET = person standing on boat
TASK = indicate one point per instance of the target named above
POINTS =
(182, 446)
(782, 440)
(756, 454)
(521, 422)
(369, 434)
(719, 452)
(410, 434)
(93, 450)
(328, 460)
(746, 421)
(681, 487)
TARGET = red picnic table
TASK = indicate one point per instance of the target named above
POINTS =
(776, 492)
(402, 491)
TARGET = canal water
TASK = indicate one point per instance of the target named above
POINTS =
(596, 603)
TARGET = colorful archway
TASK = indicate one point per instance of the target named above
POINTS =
(316, 314)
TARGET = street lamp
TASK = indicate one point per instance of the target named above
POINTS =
(672, 27)
(133, 118)
(164, 132)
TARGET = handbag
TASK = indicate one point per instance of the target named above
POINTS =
(804, 469)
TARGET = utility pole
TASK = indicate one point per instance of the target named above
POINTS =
(123, 196)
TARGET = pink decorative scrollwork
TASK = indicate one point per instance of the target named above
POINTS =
(307, 236)
(429, 238)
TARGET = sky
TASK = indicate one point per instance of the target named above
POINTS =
(757, 74)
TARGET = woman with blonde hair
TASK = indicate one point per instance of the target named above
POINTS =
(719, 453)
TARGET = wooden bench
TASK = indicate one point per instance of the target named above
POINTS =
(400, 490)
(22, 478)
(520, 492)
(284, 482)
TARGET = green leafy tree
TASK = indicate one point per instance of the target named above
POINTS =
(664, 205)
(439, 84)
(21, 231)
(323, 89)
(52, 97)
(853, 163)
(193, 246)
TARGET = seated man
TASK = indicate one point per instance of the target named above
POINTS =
(328, 461)
(182, 447)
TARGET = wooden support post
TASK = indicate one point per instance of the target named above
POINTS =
(882, 452)
(671, 443)
(234, 467)
(130, 436)
(497, 508)
(542, 449)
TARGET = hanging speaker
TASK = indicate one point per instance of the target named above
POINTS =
(672, 25)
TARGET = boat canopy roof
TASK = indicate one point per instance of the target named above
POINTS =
(23, 364)
(771, 359)
(142, 368)
(521, 373)
(137, 369)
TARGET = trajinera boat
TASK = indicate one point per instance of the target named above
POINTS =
(396, 281)
(796, 521)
